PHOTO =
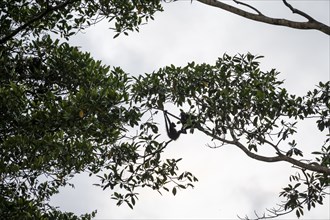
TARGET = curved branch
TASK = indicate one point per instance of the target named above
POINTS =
(311, 24)
(280, 157)
(31, 21)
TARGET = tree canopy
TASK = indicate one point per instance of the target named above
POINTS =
(63, 113)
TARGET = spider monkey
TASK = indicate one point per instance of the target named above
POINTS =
(172, 133)
(185, 118)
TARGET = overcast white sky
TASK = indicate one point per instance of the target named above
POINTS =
(230, 184)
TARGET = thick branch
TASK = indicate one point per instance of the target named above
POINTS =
(36, 18)
(280, 157)
(311, 24)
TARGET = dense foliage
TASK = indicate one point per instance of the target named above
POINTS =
(63, 113)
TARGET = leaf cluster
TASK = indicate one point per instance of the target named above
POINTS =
(25, 18)
(56, 103)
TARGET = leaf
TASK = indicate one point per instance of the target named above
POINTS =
(297, 185)
(132, 200)
(81, 113)
(174, 191)
(253, 147)
(289, 153)
(129, 204)
(154, 129)
(316, 152)
(255, 122)
(298, 152)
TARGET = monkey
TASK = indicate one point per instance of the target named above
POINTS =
(172, 133)
(187, 121)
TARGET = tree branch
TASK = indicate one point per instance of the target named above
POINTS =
(274, 213)
(296, 11)
(311, 24)
(36, 18)
(280, 157)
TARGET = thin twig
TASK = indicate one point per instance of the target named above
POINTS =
(249, 6)
(296, 11)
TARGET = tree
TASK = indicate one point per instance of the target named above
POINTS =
(219, 98)
(63, 113)
(236, 103)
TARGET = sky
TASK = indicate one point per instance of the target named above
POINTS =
(230, 183)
